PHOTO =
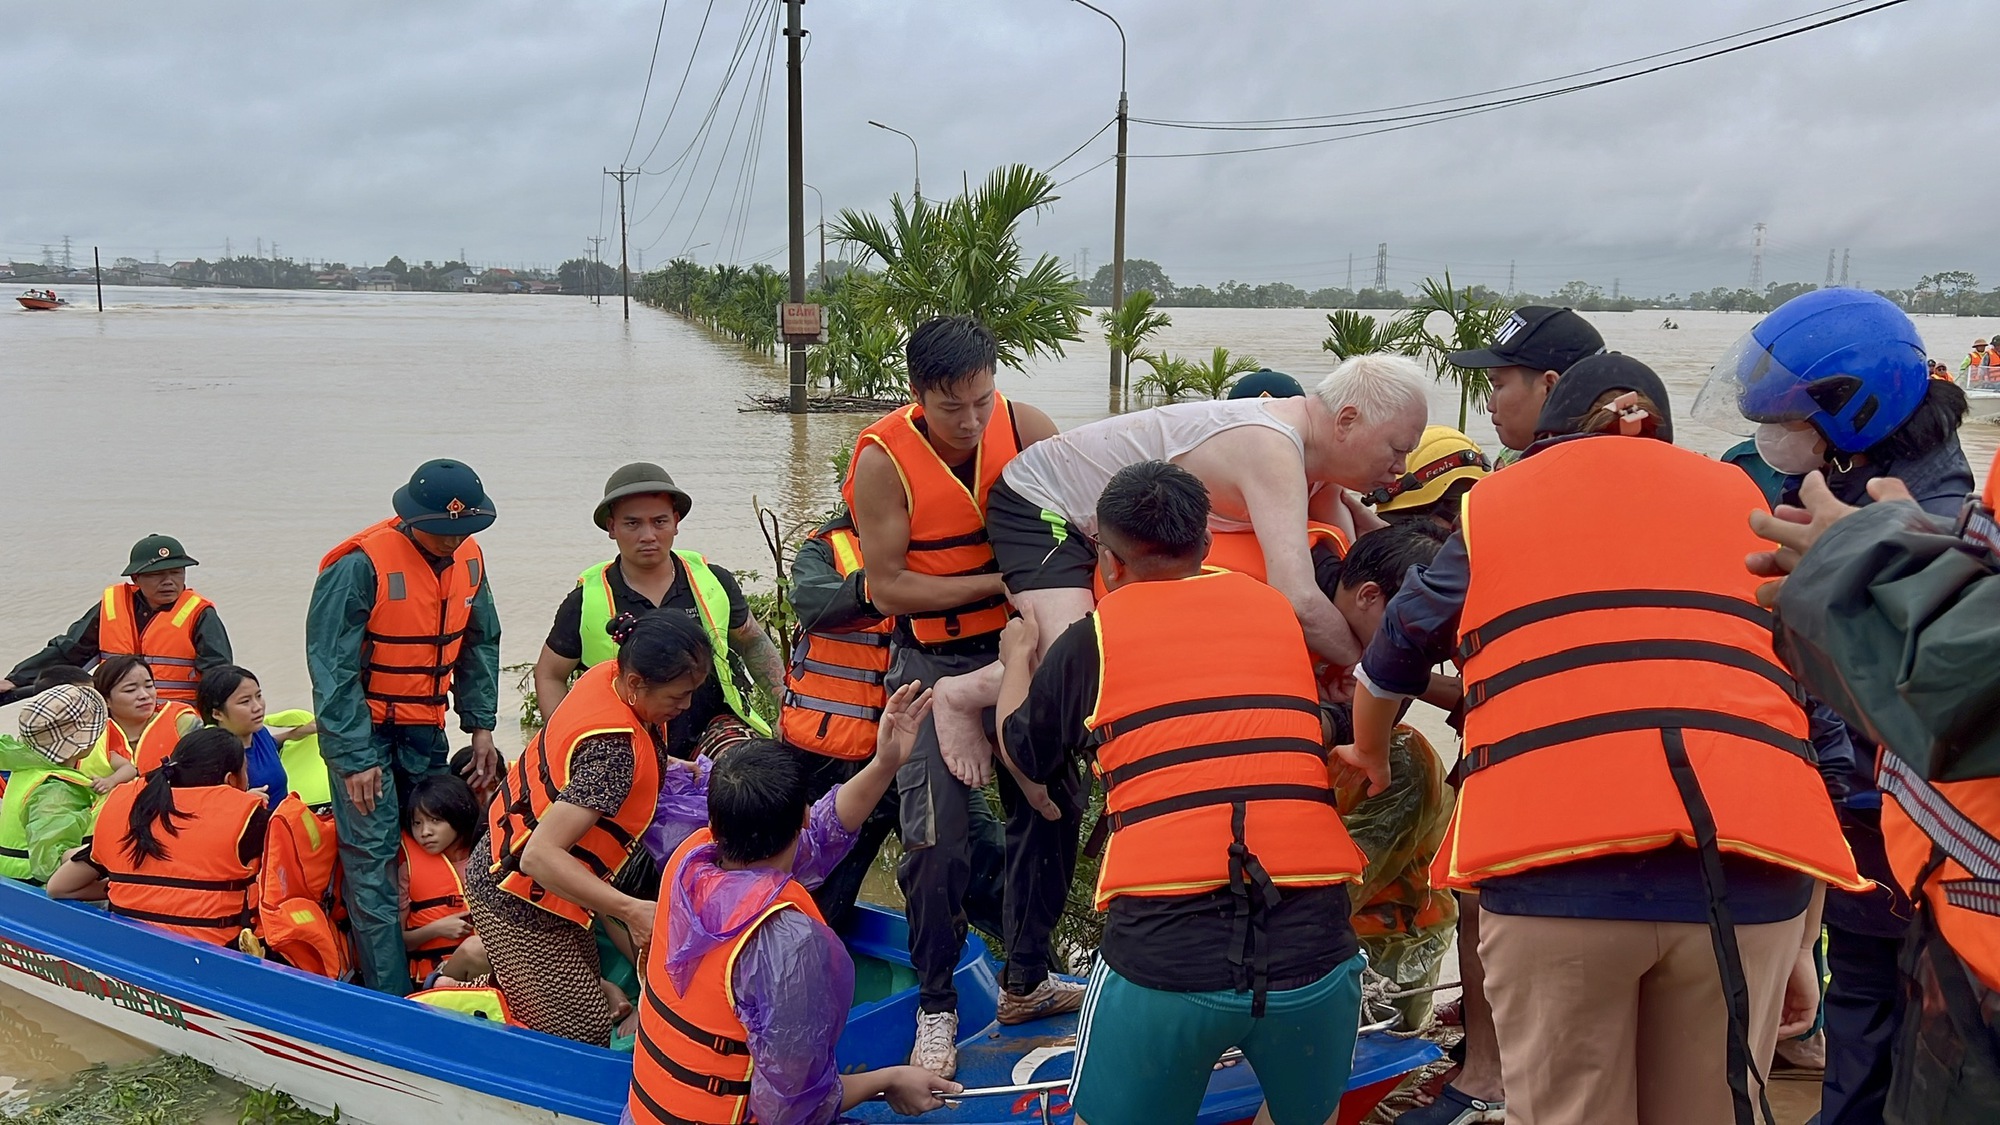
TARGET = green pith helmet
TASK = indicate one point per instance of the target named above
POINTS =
(156, 553)
(445, 498)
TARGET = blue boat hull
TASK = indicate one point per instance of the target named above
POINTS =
(384, 1061)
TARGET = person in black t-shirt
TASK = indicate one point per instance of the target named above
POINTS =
(1209, 942)
(641, 511)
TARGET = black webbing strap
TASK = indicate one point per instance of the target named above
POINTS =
(688, 1076)
(138, 880)
(1614, 722)
(1249, 948)
(1206, 751)
(720, 1044)
(659, 1112)
(1625, 652)
(432, 903)
(436, 639)
(241, 918)
(1478, 638)
(1227, 795)
(1722, 933)
(13, 853)
(1210, 706)
(969, 539)
(416, 700)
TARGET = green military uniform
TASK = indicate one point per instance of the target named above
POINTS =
(351, 741)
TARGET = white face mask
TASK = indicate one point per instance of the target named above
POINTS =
(1792, 448)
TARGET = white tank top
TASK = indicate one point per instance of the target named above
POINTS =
(1065, 473)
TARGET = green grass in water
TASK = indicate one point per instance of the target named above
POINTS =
(162, 1091)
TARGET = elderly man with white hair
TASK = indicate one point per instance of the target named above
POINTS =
(1270, 466)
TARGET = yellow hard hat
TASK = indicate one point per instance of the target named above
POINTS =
(1443, 457)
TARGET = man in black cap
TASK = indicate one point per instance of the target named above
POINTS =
(641, 511)
(401, 617)
(1528, 354)
(155, 616)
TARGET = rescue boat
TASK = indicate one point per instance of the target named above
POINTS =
(382, 1060)
(40, 300)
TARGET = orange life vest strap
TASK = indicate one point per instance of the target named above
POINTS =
(969, 539)
(658, 1111)
(1624, 652)
(720, 1044)
(1666, 720)
(511, 859)
(832, 707)
(433, 903)
(1227, 795)
(240, 918)
(713, 1084)
(1205, 751)
(842, 671)
(184, 884)
(1478, 638)
(1952, 833)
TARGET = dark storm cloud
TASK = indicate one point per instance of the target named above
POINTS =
(360, 130)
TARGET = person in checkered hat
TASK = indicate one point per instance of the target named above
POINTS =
(49, 804)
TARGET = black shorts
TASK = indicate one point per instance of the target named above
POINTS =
(1037, 549)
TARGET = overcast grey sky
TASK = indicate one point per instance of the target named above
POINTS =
(357, 130)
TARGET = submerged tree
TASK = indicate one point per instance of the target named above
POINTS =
(1470, 322)
(964, 256)
(1357, 333)
(1130, 325)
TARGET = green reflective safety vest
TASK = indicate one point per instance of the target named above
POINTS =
(14, 814)
(479, 1003)
(709, 597)
(305, 770)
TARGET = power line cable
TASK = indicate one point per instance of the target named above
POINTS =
(744, 38)
(1490, 107)
(1508, 89)
(693, 52)
(647, 92)
(701, 135)
(1050, 170)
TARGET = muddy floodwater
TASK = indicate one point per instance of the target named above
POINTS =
(261, 428)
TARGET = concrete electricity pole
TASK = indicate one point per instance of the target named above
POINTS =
(596, 298)
(624, 243)
(796, 203)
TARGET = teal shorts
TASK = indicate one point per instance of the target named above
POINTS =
(1144, 1057)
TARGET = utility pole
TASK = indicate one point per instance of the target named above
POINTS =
(1350, 272)
(795, 148)
(1118, 209)
(1829, 270)
(1757, 260)
(1510, 279)
(97, 266)
(1614, 288)
(228, 249)
(624, 242)
(595, 297)
(1381, 266)
(1843, 268)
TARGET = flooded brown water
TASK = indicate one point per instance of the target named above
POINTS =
(261, 428)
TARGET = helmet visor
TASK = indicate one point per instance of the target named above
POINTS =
(1749, 386)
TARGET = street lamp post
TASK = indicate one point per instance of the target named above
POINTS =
(916, 158)
(1118, 221)
(822, 235)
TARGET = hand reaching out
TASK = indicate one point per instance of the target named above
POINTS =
(902, 718)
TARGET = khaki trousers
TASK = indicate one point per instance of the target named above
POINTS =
(1624, 1023)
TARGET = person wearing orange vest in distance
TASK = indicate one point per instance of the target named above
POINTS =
(1923, 685)
(181, 848)
(1639, 801)
(440, 822)
(155, 615)
(918, 486)
(401, 621)
(1975, 362)
(1224, 877)
(143, 727)
(747, 990)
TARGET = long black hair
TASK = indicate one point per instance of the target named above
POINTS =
(217, 685)
(208, 756)
(660, 647)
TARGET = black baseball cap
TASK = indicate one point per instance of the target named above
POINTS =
(1538, 337)
(1266, 383)
(1570, 400)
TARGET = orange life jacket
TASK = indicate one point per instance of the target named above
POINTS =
(436, 892)
(692, 1061)
(1620, 684)
(537, 777)
(418, 623)
(167, 644)
(947, 520)
(202, 888)
(299, 913)
(1210, 746)
(155, 742)
(1239, 551)
(834, 689)
(1943, 840)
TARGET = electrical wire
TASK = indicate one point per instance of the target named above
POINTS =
(1490, 107)
(1508, 89)
(648, 90)
(1050, 170)
(689, 69)
(1085, 172)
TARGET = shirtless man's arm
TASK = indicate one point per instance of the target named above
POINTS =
(1255, 472)
(882, 517)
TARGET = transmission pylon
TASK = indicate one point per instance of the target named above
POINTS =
(1381, 266)
(1757, 260)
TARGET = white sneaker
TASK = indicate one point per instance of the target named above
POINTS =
(937, 1043)
(1053, 997)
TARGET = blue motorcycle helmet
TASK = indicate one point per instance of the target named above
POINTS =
(1845, 361)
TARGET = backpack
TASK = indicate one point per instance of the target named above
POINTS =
(299, 913)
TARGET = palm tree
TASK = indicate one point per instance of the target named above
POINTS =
(1357, 333)
(964, 256)
(1170, 377)
(1213, 377)
(1129, 326)
(1471, 324)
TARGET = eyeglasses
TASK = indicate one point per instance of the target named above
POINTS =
(1463, 459)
